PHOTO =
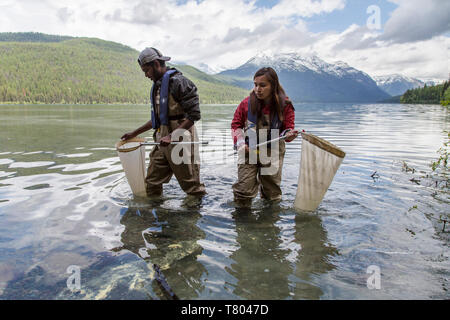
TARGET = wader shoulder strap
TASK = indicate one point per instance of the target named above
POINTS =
(251, 138)
(163, 101)
(251, 117)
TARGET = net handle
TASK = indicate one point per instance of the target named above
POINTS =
(142, 142)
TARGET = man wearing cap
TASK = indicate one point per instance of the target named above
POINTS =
(175, 107)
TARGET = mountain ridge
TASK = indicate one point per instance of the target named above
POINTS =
(310, 79)
(396, 84)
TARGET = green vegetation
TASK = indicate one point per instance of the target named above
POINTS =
(39, 68)
(437, 182)
(442, 162)
(445, 100)
(31, 37)
(428, 95)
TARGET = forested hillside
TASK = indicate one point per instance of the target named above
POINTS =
(428, 94)
(31, 37)
(38, 68)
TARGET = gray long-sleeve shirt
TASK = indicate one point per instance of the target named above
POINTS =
(184, 92)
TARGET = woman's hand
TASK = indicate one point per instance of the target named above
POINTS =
(244, 147)
(291, 135)
(241, 145)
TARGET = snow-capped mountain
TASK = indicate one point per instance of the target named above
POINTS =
(206, 68)
(296, 62)
(309, 78)
(396, 84)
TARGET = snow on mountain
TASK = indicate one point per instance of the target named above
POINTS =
(296, 62)
(396, 84)
(309, 78)
(206, 68)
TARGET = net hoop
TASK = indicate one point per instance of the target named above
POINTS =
(120, 146)
(319, 163)
(323, 144)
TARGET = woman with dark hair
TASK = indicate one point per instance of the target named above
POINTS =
(266, 114)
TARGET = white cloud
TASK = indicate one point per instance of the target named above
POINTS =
(304, 8)
(226, 33)
(426, 59)
(416, 20)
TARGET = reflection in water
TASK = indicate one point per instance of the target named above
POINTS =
(260, 267)
(314, 256)
(263, 263)
(167, 238)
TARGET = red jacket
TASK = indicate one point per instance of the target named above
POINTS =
(240, 118)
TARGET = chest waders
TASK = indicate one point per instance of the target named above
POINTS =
(166, 115)
(260, 172)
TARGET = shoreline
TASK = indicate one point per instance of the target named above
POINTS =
(205, 104)
(8, 103)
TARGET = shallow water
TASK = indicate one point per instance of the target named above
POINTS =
(64, 201)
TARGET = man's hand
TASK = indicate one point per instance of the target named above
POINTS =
(165, 141)
(127, 136)
(138, 131)
(291, 135)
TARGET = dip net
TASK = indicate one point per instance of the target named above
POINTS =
(319, 163)
(132, 156)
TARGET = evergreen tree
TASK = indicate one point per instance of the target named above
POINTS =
(425, 95)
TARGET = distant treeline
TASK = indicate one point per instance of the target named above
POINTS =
(31, 37)
(438, 94)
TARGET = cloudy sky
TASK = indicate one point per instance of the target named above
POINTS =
(409, 37)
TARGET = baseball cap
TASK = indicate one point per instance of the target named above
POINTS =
(150, 54)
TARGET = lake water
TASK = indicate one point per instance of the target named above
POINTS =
(66, 210)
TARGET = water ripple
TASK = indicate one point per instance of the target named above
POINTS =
(71, 196)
